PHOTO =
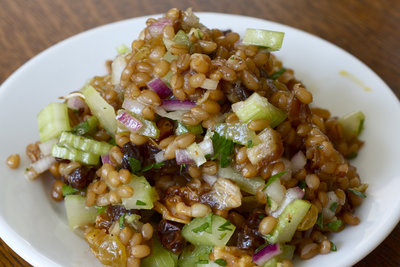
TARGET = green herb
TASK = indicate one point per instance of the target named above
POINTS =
(261, 216)
(333, 246)
(320, 221)
(222, 236)
(333, 207)
(134, 164)
(201, 228)
(335, 225)
(220, 262)
(101, 209)
(276, 74)
(153, 166)
(273, 178)
(223, 148)
(140, 203)
(209, 221)
(68, 190)
(121, 221)
(356, 192)
(181, 167)
(250, 143)
(81, 128)
(202, 262)
(224, 227)
(302, 184)
(208, 157)
(352, 155)
(112, 142)
(261, 247)
(269, 201)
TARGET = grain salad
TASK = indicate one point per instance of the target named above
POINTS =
(199, 148)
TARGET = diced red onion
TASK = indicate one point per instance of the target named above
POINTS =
(207, 146)
(106, 159)
(155, 29)
(182, 157)
(76, 103)
(298, 161)
(46, 147)
(291, 194)
(129, 121)
(158, 86)
(210, 179)
(266, 253)
(117, 67)
(174, 104)
(159, 157)
(173, 115)
(133, 106)
(209, 84)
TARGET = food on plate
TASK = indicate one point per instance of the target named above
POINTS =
(199, 148)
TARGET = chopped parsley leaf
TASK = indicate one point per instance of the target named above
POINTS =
(302, 184)
(223, 148)
(335, 225)
(121, 221)
(352, 155)
(333, 246)
(356, 192)
(68, 190)
(222, 236)
(181, 167)
(220, 262)
(224, 226)
(273, 178)
(101, 209)
(209, 221)
(201, 228)
(153, 166)
(134, 164)
(81, 129)
(333, 207)
(269, 201)
(140, 203)
(202, 262)
(250, 143)
(276, 74)
(261, 247)
(320, 221)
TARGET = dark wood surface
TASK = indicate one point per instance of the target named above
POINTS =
(366, 28)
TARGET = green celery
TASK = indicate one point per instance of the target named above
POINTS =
(148, 129)
(88, 126)
(143, 196)
(193, 255)
(352, 124)
(270, 39)
(257, 107)
(84, 144)
(245, 184)
(78, 214)
(53, 120)
(74, 155)
(237, 132)
(159, 257)
(99, 107)
(182, 128)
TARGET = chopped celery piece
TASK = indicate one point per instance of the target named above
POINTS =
(238, 133)
(288, 221)
(122, 49)
(84, 144)
(287, 253)
(271, 263)
(203, 231)
(143, 194)
(148, 129)
(248, 185)
(352, 124)
(191, 255)
(52, 121)
(78, 213)
(167, 78)
(209, 264)
(159, 257)
(181, 38)
(74, 155)
(270, 39)
(182, 128)
(88, 126)
(197, 154)
(99, 107)
(169, 57)
(257, 107)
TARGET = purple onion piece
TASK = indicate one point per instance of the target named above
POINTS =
(158, 86)
(182, 157)
(129, 121)
(174, 104)
(266, 253)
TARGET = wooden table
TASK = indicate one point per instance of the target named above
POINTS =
(366, 28)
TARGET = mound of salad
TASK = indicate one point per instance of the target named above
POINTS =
(198, 148)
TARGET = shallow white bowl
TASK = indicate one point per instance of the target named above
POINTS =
(35, 226)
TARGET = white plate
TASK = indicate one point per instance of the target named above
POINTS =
(35, 226)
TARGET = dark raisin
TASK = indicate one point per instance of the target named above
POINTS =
(112, 214)
(81, 177)
(248, 237)
(148, 152)
(170, 236)
(130, 150)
